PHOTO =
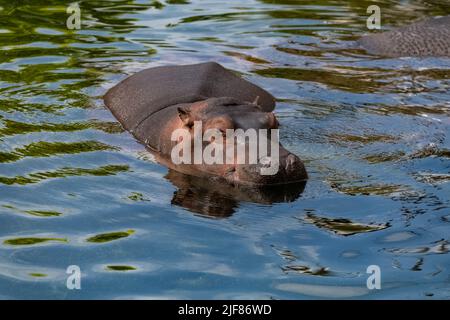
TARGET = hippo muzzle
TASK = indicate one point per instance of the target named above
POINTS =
(290, 170)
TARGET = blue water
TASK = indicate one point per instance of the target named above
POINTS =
(75, 189)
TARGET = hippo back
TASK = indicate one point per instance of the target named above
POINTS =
(143, 94)
(430, 37)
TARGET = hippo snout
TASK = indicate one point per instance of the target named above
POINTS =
(290, 170)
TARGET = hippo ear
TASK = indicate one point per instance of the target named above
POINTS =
(256, 103)
(185, 115)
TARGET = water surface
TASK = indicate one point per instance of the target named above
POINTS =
(75, 189)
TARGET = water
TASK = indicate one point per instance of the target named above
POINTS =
(75, 189)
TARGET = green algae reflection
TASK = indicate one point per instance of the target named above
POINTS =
(43, 213)
(120, 268)
(111, 236)
(38, 275)
(136, 196)
(48, 149)
(31, 241)
(36, 213)
(36, 177)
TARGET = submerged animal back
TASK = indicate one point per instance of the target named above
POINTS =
(141, 95)
(426, 38)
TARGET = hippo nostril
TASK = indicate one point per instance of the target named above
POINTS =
(290, 163)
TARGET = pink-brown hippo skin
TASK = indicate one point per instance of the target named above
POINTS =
(154, 102)
(430, 37)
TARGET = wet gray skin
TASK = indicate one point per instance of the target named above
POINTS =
(430, 37)
(155, 102)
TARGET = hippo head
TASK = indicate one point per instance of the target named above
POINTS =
(226, 115)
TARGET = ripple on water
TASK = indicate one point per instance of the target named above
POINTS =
(341, 226)
(34, 213)
(437, 247)
(373, 133)
(121, 268)
(110, 236)
(36, 177)
(399, 236)
(324, 291)
(32, 241)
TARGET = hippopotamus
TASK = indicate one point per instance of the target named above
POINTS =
(155, 102)
(430, 37)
